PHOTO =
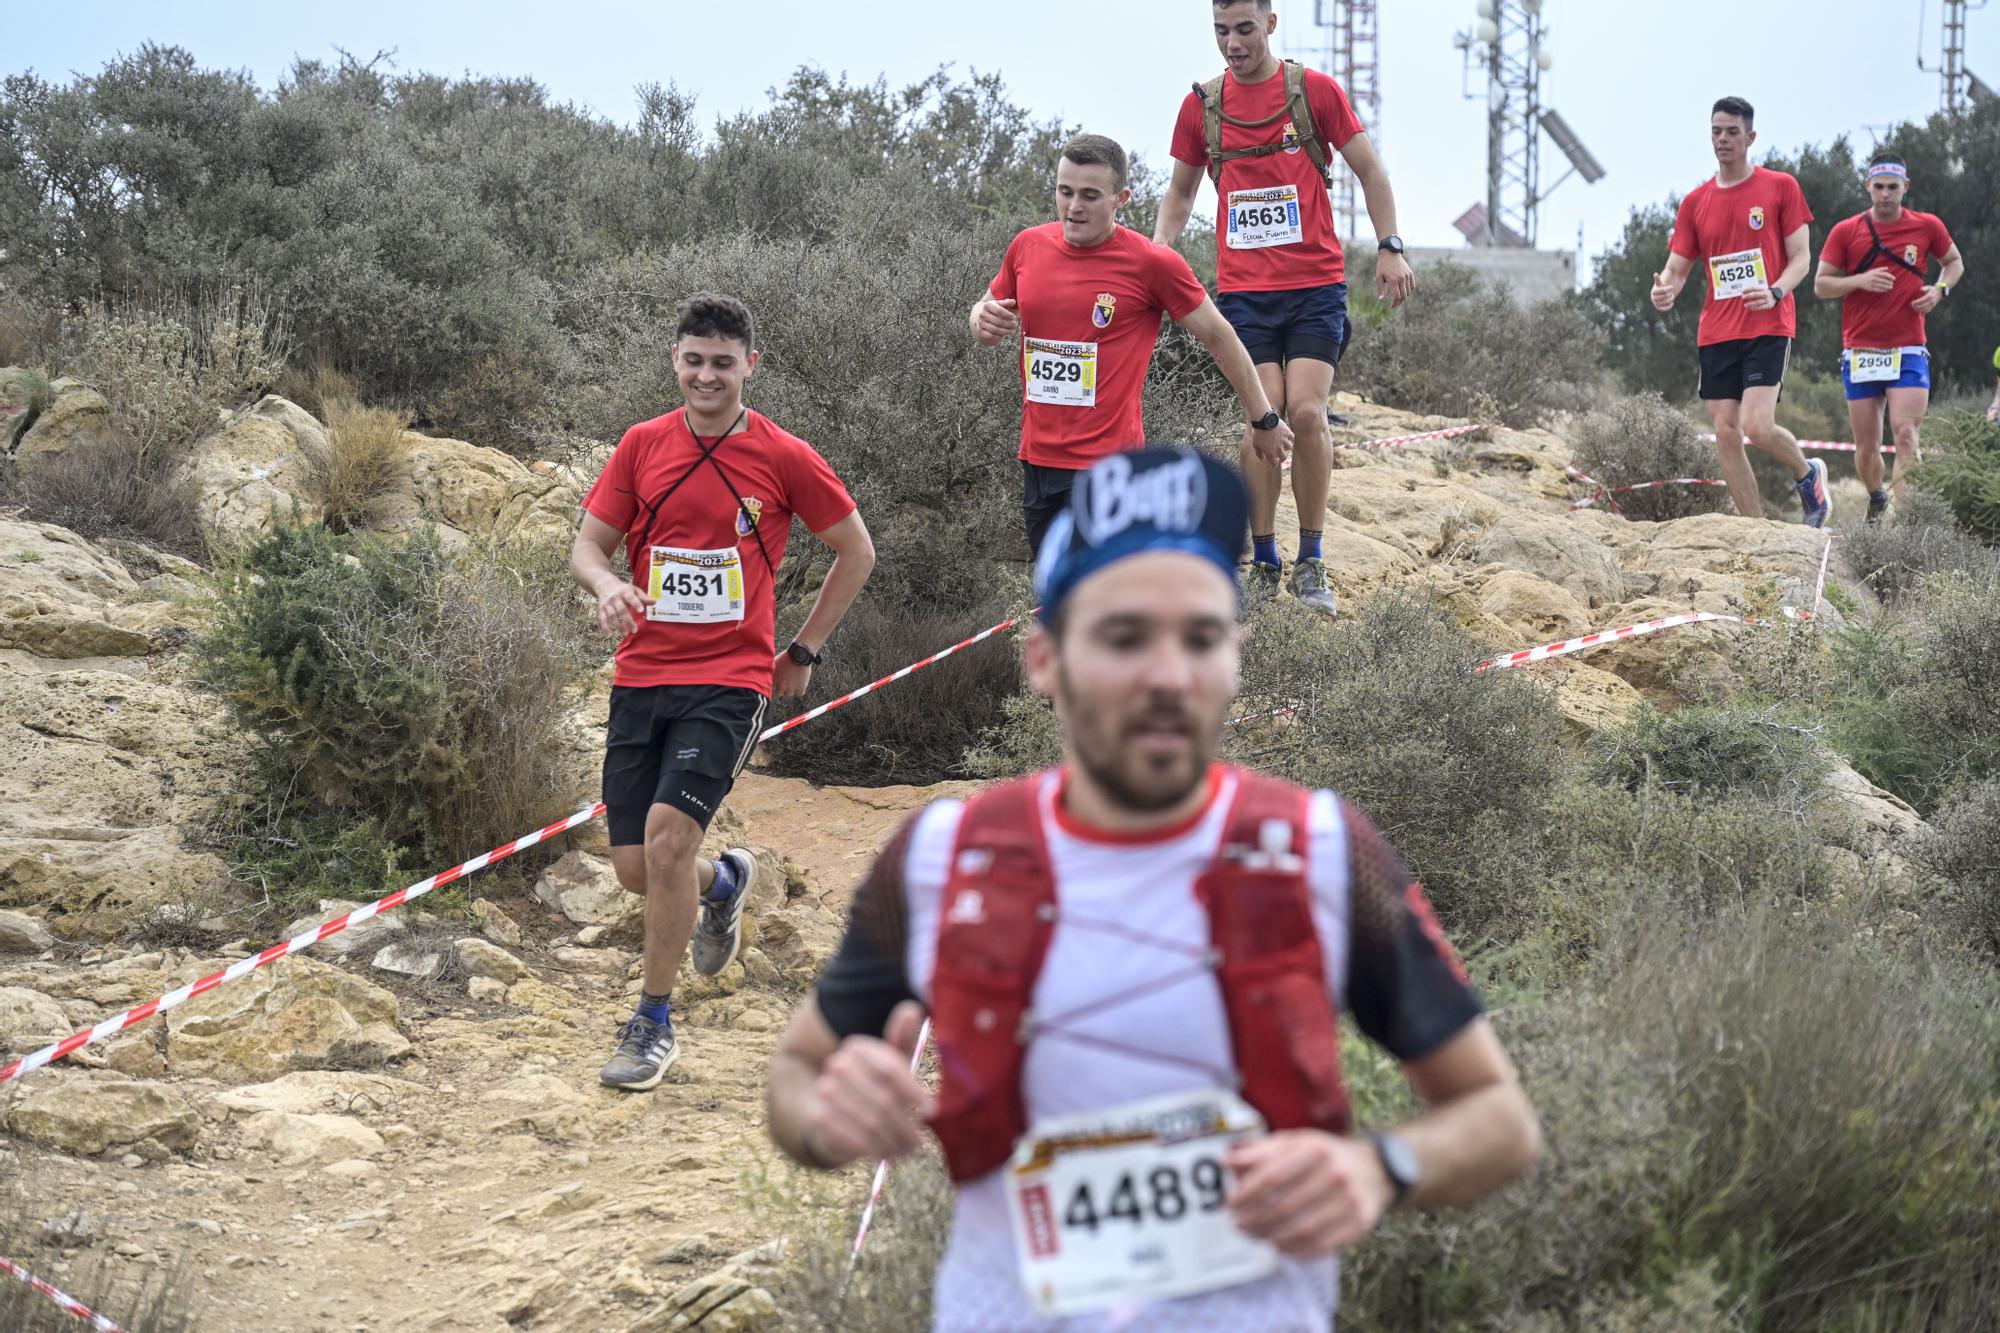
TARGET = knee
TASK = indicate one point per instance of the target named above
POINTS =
(1306, 420)
(671, 840)
(1906, 433)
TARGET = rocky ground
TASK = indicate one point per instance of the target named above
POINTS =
(403, 1129)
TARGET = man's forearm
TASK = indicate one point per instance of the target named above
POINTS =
(788, 1099)
(1795, 271)
(1175, 210)
(1952, 273)
(590, 567)
(1381, 201)
(1472, 1145)
(843, 584)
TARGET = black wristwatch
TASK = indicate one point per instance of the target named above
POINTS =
(1392, 243)
(803, 655)
(1269, 421)
(1401, 1163)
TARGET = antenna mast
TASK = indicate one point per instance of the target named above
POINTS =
(1347, 45)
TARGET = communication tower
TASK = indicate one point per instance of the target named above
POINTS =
(1509, 42)
(1958, 85)
(1346, 43)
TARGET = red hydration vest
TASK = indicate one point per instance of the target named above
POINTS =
(999, 910)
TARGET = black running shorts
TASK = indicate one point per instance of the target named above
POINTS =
(1727, 369)
(675, 745)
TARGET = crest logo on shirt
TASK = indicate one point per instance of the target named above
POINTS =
(748, 514)
(967, 909)
(1292, 144)
(1756, 217)
(1910, 255)
(1106, 307)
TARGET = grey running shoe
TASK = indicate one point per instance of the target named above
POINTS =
(1308, 584)
(1261, 584)
(1878, 504)
(719, 932)
(646, 1050)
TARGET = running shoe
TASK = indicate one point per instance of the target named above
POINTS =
(1813, 494)
(1261, 584)
(719, 932)
(1878, 505)
(1308, 584)
(646, 1051)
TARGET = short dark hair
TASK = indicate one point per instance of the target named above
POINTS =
(1097, 150)
(1736, 106)
(1263, 6)
(1889, 159)
(711, 315)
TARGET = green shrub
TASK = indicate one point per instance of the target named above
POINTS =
(1919, 539)
(892, 1281)
(1798, 1117)
(1962, 847)
(110, 489)
(1454, 767)
(367, 456)
(1641, 439)
(400, 683)
(919, 729)
(1713, 750)
(1463, 348)
(1962, 464)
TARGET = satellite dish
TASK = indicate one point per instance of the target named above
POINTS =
(1543, 59)
(1488, 30)
(1484, 8)
(1532, 6)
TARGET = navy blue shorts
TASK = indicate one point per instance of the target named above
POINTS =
(1279, 326)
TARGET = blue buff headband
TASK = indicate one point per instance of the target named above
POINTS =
(1132, 503)
(1896, 169)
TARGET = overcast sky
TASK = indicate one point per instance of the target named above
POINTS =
(1635, 79)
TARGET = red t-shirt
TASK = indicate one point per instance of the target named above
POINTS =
(1725, 231)
(1090, 318)
(1257, 247)
(1884, 319)
(775, 475)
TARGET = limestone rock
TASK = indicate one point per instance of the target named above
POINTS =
(481, 493)
(76, 414)
(481, 959)
(257, 468)
(1880, 817)
(1592, 700)
(1553, 548)
(719, 1303)
(408, 960)
(92, 1116)
(296, 1014)
(296, 1139)
(1533, 607)
(585, 889)
(23, 934)
(495, 924)
(367, 937)
(486, 990)
(318, 1091)
(540, 1104)
(43, 558)
(29, 1020)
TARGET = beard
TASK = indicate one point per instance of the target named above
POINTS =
(1106, 748)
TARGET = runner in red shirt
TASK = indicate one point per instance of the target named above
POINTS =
(702, 500)
(1083, 297)
(1740, 228)
(1875, 263)
(1279, 274)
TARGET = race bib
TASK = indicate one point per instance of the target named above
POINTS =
(695, 587)
(1262, 218)
(1732, 275)
(1875, 366)
(1127, 1206)
(1061, 374)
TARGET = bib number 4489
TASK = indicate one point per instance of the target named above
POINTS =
(1164, 1194)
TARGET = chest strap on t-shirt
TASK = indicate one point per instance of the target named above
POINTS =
(708, 448)
(1297, 109)
(1877, 248)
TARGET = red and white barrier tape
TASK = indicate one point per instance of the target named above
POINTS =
(1819, 585)
(1578, 474)
(70, 1305)
(306, 939)
(1823, 446)
(891, 678)
(1604, 491)
(1398, 441)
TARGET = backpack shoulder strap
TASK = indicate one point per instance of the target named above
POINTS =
(1299, 106)
(1880, 249)
(1211, 124)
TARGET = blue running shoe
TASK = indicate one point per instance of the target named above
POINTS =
(1814, 495)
